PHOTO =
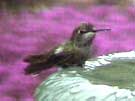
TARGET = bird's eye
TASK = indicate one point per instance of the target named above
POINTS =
(82, 31)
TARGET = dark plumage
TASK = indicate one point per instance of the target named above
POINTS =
(72, 53)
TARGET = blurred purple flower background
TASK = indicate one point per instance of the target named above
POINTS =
(26, 33)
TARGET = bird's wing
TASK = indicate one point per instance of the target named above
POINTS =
(66, 57)
(40, 62)
(40, 58)
(55, 56)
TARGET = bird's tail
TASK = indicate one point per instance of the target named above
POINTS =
(34, 68)
(34, 58)
(36, 63)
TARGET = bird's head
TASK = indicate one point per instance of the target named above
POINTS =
(84, 34)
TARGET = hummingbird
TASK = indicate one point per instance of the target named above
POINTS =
(74, 52)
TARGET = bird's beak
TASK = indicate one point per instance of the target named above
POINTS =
(93, 33)
(98, 30)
